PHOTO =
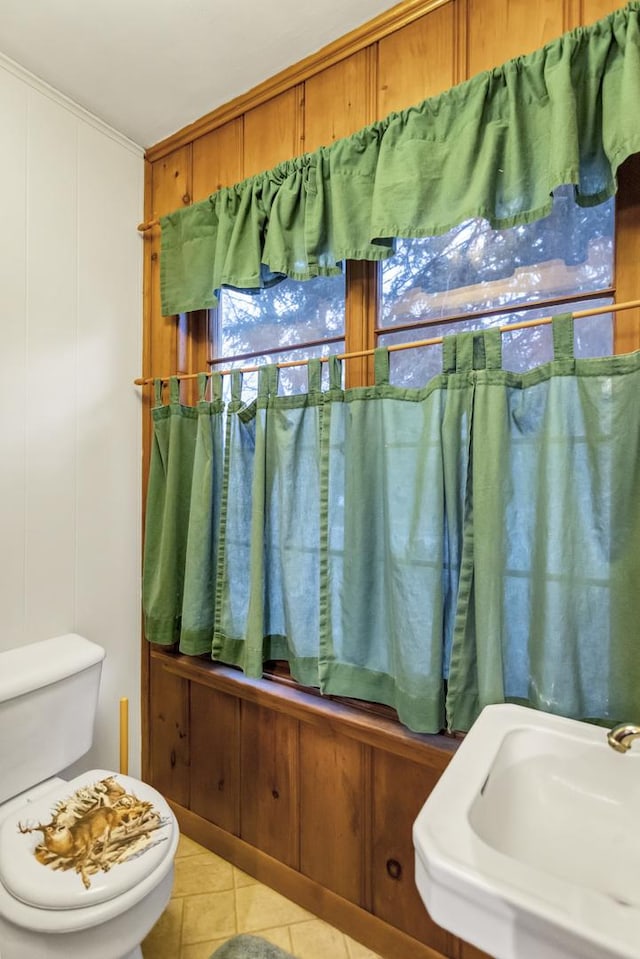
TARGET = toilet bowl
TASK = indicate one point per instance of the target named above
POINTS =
(86, 865)
(82, 872)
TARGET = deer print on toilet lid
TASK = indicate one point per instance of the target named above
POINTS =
(85, 842)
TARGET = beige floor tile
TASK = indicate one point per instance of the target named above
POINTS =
(209, 916)
(357, 951)
(317, 940)
(241, 878)
(202, 873)
(187, 847)
(163, 942)
(259, 907)
(212, 900)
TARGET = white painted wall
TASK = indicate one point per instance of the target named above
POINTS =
(71, 194)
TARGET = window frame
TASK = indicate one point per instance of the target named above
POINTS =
(363, 332)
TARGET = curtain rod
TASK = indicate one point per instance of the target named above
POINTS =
(433, 341)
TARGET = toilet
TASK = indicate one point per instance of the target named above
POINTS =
(86, 865)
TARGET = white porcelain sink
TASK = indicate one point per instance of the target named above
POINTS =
(529, 846)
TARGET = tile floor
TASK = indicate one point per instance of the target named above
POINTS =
(212, 901)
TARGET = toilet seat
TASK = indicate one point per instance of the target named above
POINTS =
(110, 840)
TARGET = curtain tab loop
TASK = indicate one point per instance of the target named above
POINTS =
(562, 326)
(273, 379)
(216, 387)
(157, 392)
(464, 352)
(268, 381)
(314, 374)
(174, 389)
(202, 387)
(381, 366)
(477, 350)
(449, 348)
(493, 349)
(335, 373)
(236, 386)
(263, 383)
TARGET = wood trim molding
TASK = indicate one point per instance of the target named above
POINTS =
(431, 750)
(351, 919)
(361, 304)
(627, 251)
(372, 31)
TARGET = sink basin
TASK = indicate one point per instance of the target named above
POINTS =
(529, 846)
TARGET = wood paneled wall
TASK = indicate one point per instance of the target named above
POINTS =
(314, 800)
(416, 50)
(201, 741)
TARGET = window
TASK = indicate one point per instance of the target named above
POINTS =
(472, 277)
(475, 277)
(287, 322)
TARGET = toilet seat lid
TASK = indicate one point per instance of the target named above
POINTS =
(87, 841)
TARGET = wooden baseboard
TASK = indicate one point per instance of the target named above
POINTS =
(351, 919)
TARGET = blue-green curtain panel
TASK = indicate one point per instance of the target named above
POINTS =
(439, 549)
(389, 580)
(182, 522)
(551, 541)
(292, 528)
(268, 586)
(175, 430)
(200, 566)
(496, 147)
(234, 556)
(334, 536)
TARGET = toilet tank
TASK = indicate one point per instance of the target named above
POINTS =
(48, 700)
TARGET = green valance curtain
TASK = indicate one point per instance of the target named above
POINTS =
(437, 549)
(493, 147)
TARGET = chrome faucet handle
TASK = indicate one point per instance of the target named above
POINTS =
(621, 737)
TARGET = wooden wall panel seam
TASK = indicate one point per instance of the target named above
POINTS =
(371, 53)
(295, 778)
(300, 117)
(572, 14)
(461, 42)
(367, 827)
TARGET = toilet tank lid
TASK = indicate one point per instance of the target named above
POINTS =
(31, 667)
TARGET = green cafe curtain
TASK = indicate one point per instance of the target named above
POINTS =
(183, 517)
(550, 561)
(494, 147)
(437, 549)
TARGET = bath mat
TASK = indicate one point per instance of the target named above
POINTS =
(250, 947)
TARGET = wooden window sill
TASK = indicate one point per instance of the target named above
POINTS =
(363, 722)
